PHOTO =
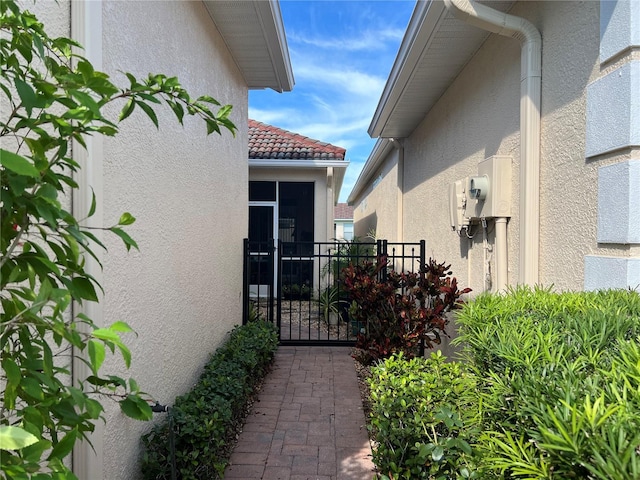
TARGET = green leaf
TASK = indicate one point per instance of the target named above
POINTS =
(32, 387)
(33, 453)
(212, 126)
(208, 99)
(120, 326)
(92, 209)
(437, 453)
(18, 164)
(87, 101)
(96, 354)
(11, 371)
(15, 438)
(224, 112)
(128, 109)
(178, 110)
(150, 112)
(64, 446)
(128, 241)
(106, 334)
(82, 287)
(126, 219)
(27, 95)
(135, 407)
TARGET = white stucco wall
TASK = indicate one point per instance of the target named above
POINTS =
(478, 116)
(377, 208)
(182, 291)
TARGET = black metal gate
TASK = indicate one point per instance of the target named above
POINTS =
(297, 285)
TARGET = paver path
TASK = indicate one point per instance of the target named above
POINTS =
(308, 422)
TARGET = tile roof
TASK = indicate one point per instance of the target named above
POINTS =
(343, 211)
(275, 143)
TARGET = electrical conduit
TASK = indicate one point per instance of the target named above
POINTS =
(530, 40)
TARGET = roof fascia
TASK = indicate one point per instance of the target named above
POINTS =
(378, 155)
(273, 27)
(424, 22)
(275, 163)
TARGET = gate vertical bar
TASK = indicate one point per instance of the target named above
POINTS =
(271, 280)
(423, 260)
(278, 258)
(245, 282)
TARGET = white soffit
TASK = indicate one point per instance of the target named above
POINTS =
(254, 32)
(434, 50)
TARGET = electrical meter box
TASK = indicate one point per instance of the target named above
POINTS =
(494, 177)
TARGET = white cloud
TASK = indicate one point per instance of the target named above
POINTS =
(346, 81)
(367, 41)
(340, 63)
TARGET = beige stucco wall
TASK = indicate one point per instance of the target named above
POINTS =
(182, 291)
(478, 116)
(376, 209)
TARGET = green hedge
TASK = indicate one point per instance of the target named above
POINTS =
(556, 388)
(417, 418)
(204, 418)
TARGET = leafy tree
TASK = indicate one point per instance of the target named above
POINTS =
(50, 98)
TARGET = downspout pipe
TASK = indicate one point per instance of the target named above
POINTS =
(502, 270)
(399, 146)
(527, 34)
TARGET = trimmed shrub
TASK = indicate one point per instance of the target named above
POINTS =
(201, 421)
(418, 418)
(549, 389)
(558, 383)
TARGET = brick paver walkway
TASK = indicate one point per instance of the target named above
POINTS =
(308, 422)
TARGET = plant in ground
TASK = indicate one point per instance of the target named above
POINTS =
(421, 418)
(400, 311)
(196, 440)
(52, 99)
(557, 383)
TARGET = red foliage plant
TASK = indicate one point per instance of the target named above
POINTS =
(399, 310)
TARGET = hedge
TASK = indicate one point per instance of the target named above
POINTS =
(204, 419)
(553, 391)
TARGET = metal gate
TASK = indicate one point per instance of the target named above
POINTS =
(298, 285)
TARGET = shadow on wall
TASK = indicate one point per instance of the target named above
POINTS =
(365, 225)
(496, 92)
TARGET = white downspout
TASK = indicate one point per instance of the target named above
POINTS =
(86, 28)
(502, 270)
(529, 37)
(330, 204)
(398, 144)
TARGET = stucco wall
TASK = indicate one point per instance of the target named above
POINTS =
(377, 208)
(478, 116)
(182, 291)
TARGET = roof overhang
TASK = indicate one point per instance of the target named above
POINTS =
(339, 168)
(254, 33)
(434, 50)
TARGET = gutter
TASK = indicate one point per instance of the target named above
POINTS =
(527, 34)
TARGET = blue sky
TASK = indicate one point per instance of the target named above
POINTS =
(341, 53)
